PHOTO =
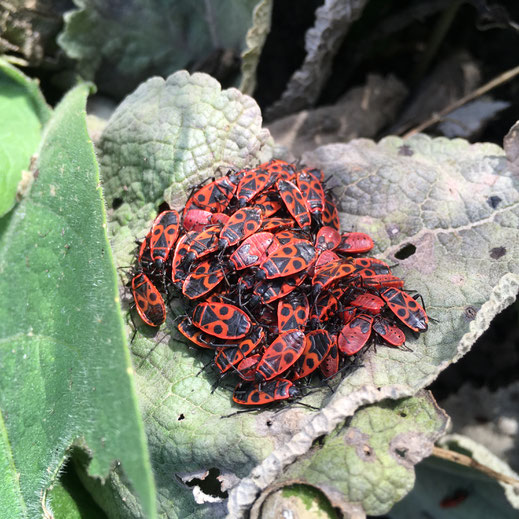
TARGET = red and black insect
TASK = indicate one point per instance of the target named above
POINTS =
(280, 170)
(318, 344)
(329, 367)
(276, 224)
(295, 203)
(221, 320)
(326, 305)
(215, 196)
(330, 215)
(268, 203)
(280, 355)
(252, 251)
(383, 281)
(148, 301)
(246, 369)
(287, 260)
(240, 225)
(227, 357)
(191, 332)
(202, 244)
(293, 312)
(268, 291)
(179, 270)
(250, 393)
(354, 335)
(354, 243)
(252, 341)
(391, 333)
(206, 276)
(252, 183)
(327, 239)
(312, 191)
(368, 303)
(199, 219)
(405, 308)
(332, 272)
(164, 233)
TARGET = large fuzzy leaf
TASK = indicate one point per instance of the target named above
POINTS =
(456, 203)
(66, 373)
(24, 112)
(131, 41)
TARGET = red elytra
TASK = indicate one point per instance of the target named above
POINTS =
(226, 358)
(354, 335)
(330, 364)
(246, 369)
(240, 225)
(280, 170)
(331, 273)
(405, 308)
(268, 291)
(326, 305)
(280, 355)
(295, 203)
(268, 203)
(330, 216)
(312, 191)
(252, 341)
(252, 183)
(275, 224)
(198, 219)
(148, 301)
(288, 260)
(327, 238)
(164, 234)
(383, 281)
(287, 236)
(293, 312)
(368, 303)
(144, 256)
(204, 243)
(221, 320)
(392, 334)
(250, 393)
(318, 344)
(347, 314)
(323, 259)
(206, 276)
(215, 196)
(252, 251)
(191, 332)
(179, 271)
(377, 266)
(355, 243)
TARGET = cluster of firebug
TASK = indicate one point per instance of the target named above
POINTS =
(268, 281)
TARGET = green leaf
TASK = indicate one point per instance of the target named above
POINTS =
(470, 492)
(132, 41)
(24, 112)
(66, 373)
(367, 463)
(453, 201)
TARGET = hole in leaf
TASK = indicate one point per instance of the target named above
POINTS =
(210, 485)
(497, 252)
(163, 207)
(403, 414)
(180, 417)
(401, 452)
(405, 251)
(319, 441)
(269, 423)
(470, 312)
(117, 202)
(493, 201)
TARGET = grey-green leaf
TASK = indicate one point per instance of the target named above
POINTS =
(129, 42)
(24, 112)
(66, 373)
(456, 203)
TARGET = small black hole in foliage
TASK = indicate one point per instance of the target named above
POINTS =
(493, 201)
(180, 417)
(319, 441)
(403, 414)
(405, 251)
(497, 252)
(210, 485)
(163, 207)
(117, 202)
(401, 452)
